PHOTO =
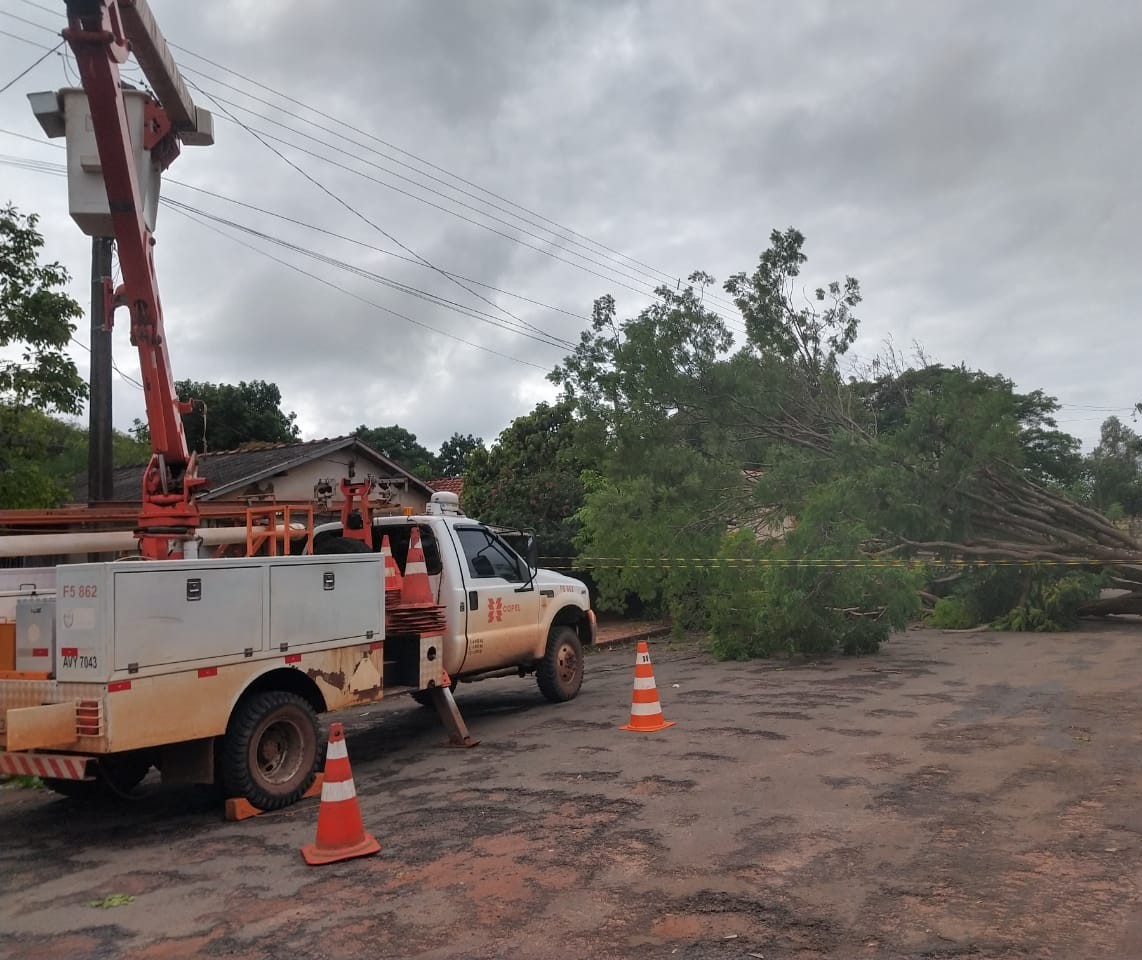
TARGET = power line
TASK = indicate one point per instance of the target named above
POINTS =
(546, 339)
(568, 237)
(425, 162)
(114, 366)
(646, 278)
(322, 230)
(263, 136)
(191, 213)
(357, 213)
(416, 183)
(43, 166)
(34, 43)
(31, 23)
(366, 300)
(23, 73)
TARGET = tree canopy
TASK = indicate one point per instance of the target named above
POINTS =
(531, 477)
(401, 445)
(454, 452)
(36, 319)
(778, 458)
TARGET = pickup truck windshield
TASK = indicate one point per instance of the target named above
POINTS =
(488, 556)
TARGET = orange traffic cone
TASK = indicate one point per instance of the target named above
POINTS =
(393, 583)
(416, 589)
(340, 832)
(645, 710)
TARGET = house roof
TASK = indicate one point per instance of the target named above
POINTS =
(448, 485)
(229, 470)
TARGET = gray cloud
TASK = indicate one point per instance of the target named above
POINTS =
(973, 164)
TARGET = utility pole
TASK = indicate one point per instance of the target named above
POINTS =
(99, 450)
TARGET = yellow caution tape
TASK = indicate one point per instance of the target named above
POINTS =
(686, 562)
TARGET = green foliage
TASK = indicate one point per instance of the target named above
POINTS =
(226, 415)
(694, 440)
(114, 900)
(952, 613)
(454, 452)
(786, 608)
(530, 477)
(1116, 470)
(399, 444)
(36, 318)
(1052, 602)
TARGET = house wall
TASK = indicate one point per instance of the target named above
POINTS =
(298, 483)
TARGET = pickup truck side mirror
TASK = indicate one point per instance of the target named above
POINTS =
(533, 554)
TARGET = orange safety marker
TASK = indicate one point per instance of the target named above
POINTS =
(340, 832)
(392, 571)
(417, 591)
(239, 808)
(645, 710)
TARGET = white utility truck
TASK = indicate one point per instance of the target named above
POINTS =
(217, 669)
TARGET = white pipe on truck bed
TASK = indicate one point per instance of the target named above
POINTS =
(107, 541)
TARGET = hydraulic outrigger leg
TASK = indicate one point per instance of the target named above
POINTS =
(449, 713)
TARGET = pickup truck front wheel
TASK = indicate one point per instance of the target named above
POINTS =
(560, 672)
(270, 752)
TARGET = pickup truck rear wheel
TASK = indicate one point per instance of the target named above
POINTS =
(560, 672)
(270, 751)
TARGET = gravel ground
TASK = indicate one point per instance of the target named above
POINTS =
(966, 795)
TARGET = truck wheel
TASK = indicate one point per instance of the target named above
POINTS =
(560, 672)
(270, 752)
(340, 545)
(116, 777)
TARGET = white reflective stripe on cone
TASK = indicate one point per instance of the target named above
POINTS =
(338, 790)
(644, 683)
(337, 751)
(645, 709)
(643, 658)
(417, 566)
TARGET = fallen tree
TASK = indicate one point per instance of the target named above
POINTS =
(944, 469)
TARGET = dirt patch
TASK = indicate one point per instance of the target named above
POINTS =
(998, 817)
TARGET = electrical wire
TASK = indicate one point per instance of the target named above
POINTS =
(33, 43)
(357, 213)
(114, 366)
(365, 300)
(543, 337)
(546, 339)
(23, 73)
(663, 275)
(565, 238)
(259, 134)
(170, 181)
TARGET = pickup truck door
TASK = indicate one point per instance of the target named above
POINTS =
(502, 620)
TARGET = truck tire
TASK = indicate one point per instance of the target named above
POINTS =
(560, 672)
(339, 545)
(270, 752)
(116, 777)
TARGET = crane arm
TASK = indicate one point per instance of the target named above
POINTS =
(101, 34)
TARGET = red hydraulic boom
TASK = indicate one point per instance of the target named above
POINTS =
(101, 34)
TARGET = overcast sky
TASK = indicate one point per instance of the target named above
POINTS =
(974, 164)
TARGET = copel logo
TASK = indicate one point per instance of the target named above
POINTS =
(497, 608)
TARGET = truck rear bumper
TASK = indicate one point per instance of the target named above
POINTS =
(56, 766)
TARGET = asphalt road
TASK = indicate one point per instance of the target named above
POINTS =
(966, 795)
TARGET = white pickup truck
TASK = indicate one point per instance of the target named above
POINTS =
(216, 670)
(505, 616)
